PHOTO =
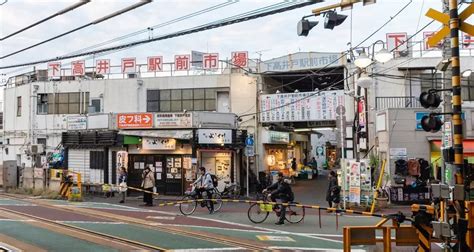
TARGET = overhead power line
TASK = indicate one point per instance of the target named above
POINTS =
(197, 29)
(70, 8)
(100, 20)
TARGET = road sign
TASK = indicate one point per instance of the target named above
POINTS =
(249, 141)
(135, 120)
(398, 41)
(249, 151)
(444, 19)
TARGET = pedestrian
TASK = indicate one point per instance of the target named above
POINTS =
(314, 166)
(123, 183)
(293, 164)
(148, 183)
(331, 187)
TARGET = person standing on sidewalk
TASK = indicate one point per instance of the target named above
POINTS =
(123, 183)
(331, 187)
(148, 184)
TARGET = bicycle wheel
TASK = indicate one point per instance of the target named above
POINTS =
(256, 215)
(188, 208)
(217, 200)
(294, 214)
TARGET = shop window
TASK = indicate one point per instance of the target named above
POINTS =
(42, 104)
(467, 85)
(96, 160)
(18, 106)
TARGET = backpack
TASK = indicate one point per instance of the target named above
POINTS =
(214, 180)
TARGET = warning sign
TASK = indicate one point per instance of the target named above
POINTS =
(275, 238)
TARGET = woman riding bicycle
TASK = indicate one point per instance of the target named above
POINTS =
(281, 190)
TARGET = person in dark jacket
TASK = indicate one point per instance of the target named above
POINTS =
(123, 183)
(280, 190)
(333, 192)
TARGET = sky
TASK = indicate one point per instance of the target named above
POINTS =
(267, 37)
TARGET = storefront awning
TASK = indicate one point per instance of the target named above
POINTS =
(176, 134)
(468, 145)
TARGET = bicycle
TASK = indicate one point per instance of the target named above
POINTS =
(231, 191)
(191, 198)
(258, 212)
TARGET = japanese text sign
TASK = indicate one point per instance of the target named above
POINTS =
(78, 68)
(210, 60)
(239, 59)
(54, 69)
(153, 143)
(102, 66)
(129, 65)
(467, 41)
(215, 136)
(181, 62)
(135, 120)
(397, 41)
(155, 64)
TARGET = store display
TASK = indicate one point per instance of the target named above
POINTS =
(409, 183)
(177, 162)
(355, 179)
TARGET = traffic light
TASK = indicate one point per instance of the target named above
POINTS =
(304, 26)
(431, 123)
(430, 100)
(333, 19)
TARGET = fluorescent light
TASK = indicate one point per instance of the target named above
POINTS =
(301, 130)
(318, 129)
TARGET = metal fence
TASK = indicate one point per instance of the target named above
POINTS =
(397, 102)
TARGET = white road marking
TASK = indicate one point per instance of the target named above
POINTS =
(218, 228)
(314, 249)
(267, 229)
(161, 217)
(91, 222)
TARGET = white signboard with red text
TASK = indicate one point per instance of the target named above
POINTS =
(397, 41)
(240, 59)
(54, 69)
(182, 62)
(426, 36)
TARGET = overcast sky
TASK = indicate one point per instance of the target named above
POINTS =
(273, 35)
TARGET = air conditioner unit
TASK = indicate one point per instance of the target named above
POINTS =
(36, 149)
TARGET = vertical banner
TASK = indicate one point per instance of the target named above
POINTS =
(354, 182)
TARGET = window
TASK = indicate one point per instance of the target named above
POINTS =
(177, 100)
(42, 104)
(18, 106)
(66, 103)
(431, 81)
(41, 141)
(467, 88)
(96, 160)
(95, 106)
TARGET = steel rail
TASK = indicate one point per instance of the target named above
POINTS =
(139, 222)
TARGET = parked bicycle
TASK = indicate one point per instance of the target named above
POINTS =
(188, 208)
(258, 212)
(231, 191)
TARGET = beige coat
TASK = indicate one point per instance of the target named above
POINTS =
(148, 179)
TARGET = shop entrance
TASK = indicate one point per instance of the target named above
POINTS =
(220, 164)
(168, 171)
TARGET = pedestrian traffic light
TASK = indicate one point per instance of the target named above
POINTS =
(430, 99)
(431, 123)
(333, 19)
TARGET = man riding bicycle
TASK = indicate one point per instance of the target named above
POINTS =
(281, 190)
(205, 185)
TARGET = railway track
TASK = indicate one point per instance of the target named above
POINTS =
(247, 245)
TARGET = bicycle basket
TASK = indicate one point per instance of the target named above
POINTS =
(266, 207)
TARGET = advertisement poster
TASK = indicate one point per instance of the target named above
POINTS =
(354, 182)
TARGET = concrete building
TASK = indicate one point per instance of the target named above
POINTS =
(37, 113)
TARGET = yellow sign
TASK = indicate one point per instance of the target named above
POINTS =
(444, 19)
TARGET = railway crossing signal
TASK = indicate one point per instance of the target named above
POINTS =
(444, 19)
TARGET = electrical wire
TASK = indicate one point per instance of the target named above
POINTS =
(61, 12)
(196, 29)
(97, 21)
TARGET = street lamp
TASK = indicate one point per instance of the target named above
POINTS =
(381, 56)
(467, 73)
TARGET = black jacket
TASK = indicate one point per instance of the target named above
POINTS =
(281, 188)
